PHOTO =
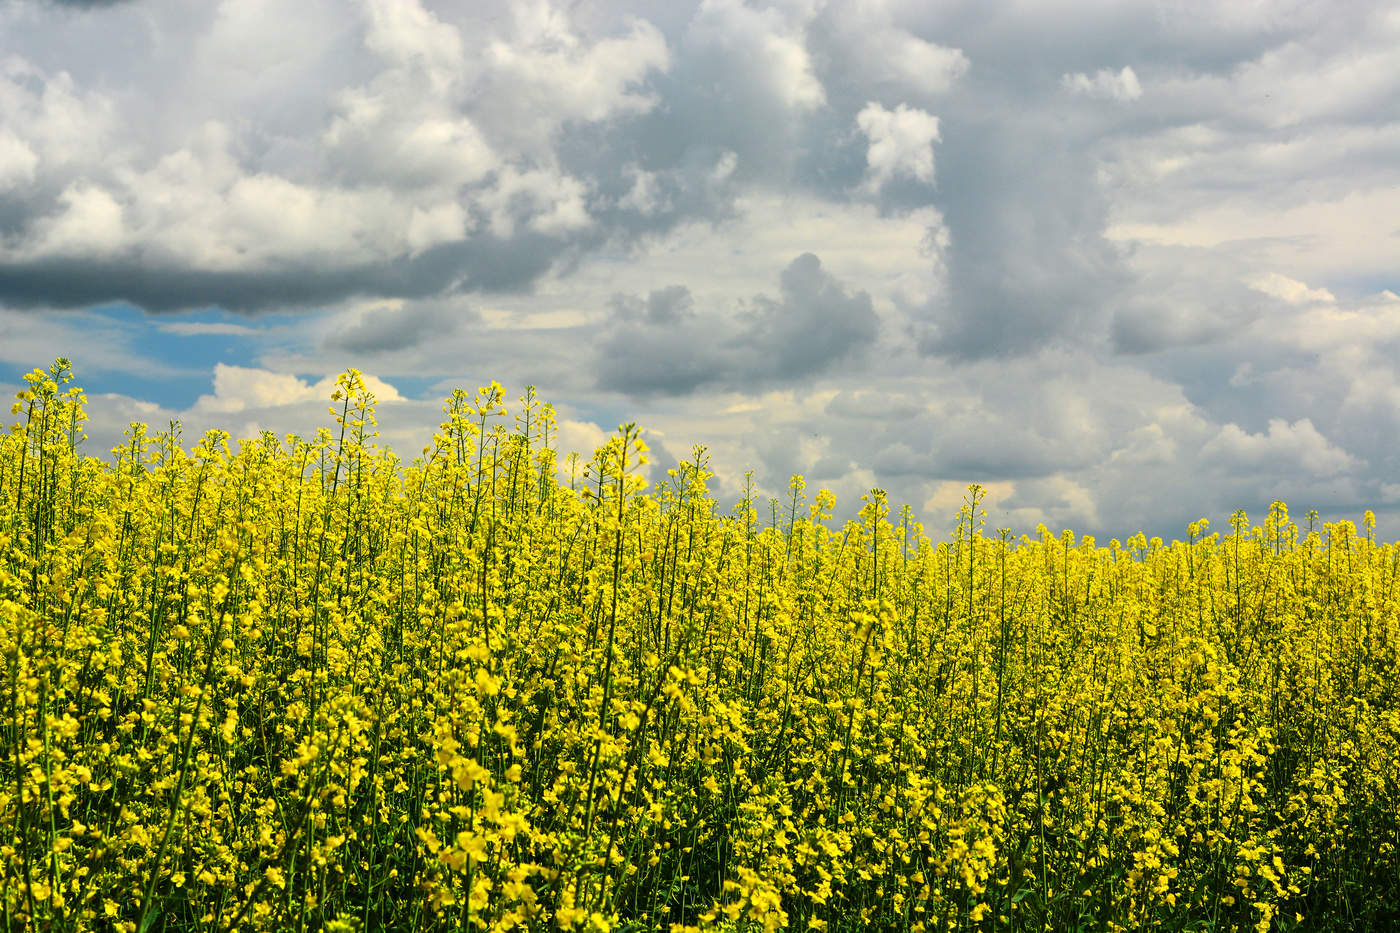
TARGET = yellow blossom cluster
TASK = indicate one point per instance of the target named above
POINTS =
(299, 684)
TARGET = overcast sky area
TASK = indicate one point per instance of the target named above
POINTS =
(1126, 265)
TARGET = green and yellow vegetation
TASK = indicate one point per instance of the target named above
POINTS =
(297, 684)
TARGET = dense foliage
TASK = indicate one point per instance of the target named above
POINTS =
(302, 685)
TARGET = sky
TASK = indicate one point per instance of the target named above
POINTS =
(1126, 265)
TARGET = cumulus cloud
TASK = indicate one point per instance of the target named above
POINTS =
(404, 127)
(408, 36)
(1299, 445)
(17, 161)
(1290, 290)
(547, 75)
(908, 59)
(646, 196)
(901, 143)
(240, 388)
(543, 201)
(663, 345)
(1106, 84)
(52, 123)
(88, 223)
(422, 173)
(763, 42)
(873, 46)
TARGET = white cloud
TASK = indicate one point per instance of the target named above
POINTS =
(90, 223)
(206, 329)
(1296, 83)
(546, 201)
(237, 388)
(901, 143)
(580, 437)
(66, 129)
(1350, 234)
(1290, 290)
(762, 41)
(724, 167)
(240, 389)
(196, 206)
(406, 127)
(17, 161)
(924, 65)
(268, 216)
(1105, 84)
(384, 138)
(547, 74)
(428, 227)
(1296, 445)
(409, 37)
(883, 50)
(948, 496)
(253, 48)
(645, 196)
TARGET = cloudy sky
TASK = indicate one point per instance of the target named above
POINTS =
(1126, 265)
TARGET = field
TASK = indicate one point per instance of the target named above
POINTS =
(299, 684)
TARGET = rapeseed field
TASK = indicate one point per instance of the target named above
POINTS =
(300, 684)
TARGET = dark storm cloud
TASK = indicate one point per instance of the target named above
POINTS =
(669, 306)
(484, 264)
(663, 345)
(1028, 264)
(659, 344)
(75, 283)
(814, 324)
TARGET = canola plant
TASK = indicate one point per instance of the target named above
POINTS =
(298, 684)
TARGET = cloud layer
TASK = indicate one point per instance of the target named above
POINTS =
(1127, 265)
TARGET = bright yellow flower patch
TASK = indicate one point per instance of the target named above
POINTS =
(297, 684)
